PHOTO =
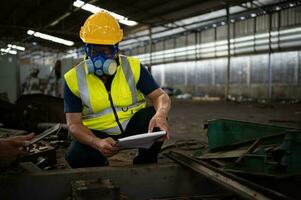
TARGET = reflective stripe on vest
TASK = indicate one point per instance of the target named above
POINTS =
(83, 87)
(129, 77)
(109, 110)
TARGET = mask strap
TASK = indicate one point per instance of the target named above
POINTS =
(115, 49)
(87, 49)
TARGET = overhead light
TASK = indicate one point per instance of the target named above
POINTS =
(60, 19)
(278, 8)
(213, 25)
(50, 38)
(223, 23)
(292, 5)
(253, 15)
(242, 18)
(93, 9)
(14, 52)
(12, 46)
(30, 32)
(78, 3)
(232, 20)
(128, 22)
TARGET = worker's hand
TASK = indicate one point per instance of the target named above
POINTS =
(159, 120)
(13, 146)
(106, 146)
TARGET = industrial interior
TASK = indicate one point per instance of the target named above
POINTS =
(231, 68)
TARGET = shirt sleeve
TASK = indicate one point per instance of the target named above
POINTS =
(146, 83)
(72, 103)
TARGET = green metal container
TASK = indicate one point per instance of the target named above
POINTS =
(283, 160)
(224, 133)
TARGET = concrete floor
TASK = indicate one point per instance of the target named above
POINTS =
(187, 117)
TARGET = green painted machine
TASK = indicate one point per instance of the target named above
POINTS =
(253, 148)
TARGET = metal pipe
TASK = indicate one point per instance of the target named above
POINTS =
(227, 81)
(269, 61)
(241, 187)
(45, 125)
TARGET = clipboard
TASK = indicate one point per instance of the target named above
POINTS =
(144, 140)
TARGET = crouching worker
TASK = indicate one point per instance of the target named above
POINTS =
(104, 98)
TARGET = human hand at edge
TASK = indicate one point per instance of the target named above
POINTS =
(13, 146)
(106, 146)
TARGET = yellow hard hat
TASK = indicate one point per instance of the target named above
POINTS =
(101, 28)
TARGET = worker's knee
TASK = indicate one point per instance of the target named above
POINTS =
(79, 155)
(150, 155)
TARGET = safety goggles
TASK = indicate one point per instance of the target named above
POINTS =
(107, 51)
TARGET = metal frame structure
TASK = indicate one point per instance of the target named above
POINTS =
(135, 182)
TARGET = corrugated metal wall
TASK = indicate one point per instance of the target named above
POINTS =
(196, 62)
(248, 76)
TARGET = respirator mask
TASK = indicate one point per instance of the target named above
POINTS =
(101, 59)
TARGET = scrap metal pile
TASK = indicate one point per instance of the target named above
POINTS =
(256, 161)
(42, 115)
(253, 149)
(242, 160)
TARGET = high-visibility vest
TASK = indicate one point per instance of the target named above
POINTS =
(97, 113)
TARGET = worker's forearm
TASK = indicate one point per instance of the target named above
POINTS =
(162, 104)
(83, 134)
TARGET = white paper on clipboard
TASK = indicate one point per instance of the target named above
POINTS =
(144, 140)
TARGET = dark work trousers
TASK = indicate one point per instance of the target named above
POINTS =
(80, 155)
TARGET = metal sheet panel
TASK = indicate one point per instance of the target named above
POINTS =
(284, 67)
(245, 27)
(221, 32)
(299, 69)
(262, 23)
(259, 69)
(181, 41)
(158, 74)
(220, 70)
(174, 75)
(275, 20)
(207, 36)
(169, 43)
(159, 46)
(290, 17)
(191, 38)
(239, 70)
(190, 73)
(204, 72)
